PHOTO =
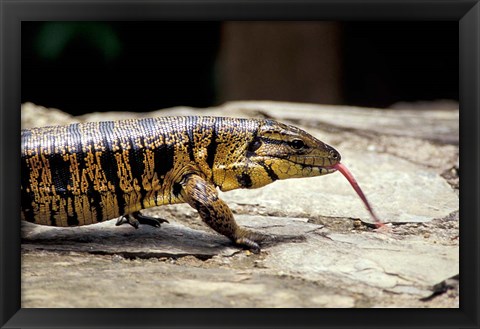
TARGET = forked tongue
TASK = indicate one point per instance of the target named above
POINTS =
(348, 175)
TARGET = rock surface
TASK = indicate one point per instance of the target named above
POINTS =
(405, 161)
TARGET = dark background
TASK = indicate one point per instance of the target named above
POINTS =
(82, 67)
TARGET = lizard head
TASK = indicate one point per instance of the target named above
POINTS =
(280, 151)
(291, 152)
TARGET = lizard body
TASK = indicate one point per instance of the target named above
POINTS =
(85, 173)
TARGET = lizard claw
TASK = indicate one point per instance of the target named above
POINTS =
(246, 243)
(127, 219)
(136, 218)
(152, 221)
(252, 240)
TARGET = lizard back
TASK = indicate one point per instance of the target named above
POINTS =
(86, 173)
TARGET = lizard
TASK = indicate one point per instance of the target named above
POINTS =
(85, 173)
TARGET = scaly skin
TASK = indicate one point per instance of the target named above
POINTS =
(86, 173)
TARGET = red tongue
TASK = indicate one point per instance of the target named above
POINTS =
(348, 175)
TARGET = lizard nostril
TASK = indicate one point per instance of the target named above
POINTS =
(334, 155)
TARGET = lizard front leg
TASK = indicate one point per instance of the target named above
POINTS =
(203, 196)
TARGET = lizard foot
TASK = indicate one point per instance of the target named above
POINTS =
(136, 218)
(248, 244)
(252, 240)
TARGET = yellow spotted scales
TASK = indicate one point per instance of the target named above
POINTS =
(86, 173)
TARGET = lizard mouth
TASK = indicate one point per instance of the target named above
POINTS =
(329, 169)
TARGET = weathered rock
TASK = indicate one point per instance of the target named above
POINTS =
(378, 260)
(171, 240)
(39, 116)
(438, 125)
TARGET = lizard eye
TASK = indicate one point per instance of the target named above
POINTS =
(255, 145)
(298, 144)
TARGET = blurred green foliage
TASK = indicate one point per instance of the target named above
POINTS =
(54, 37)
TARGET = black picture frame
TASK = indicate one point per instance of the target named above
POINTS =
(13, 12)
